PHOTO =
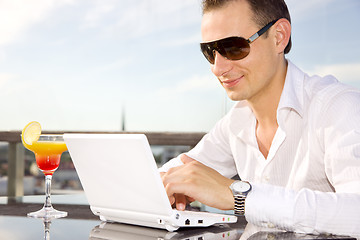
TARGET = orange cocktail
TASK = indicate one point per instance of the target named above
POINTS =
(48, 154)
(48, 150)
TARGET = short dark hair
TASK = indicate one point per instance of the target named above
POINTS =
(264, 11)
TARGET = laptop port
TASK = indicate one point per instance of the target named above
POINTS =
(200, 221)
(187, 222)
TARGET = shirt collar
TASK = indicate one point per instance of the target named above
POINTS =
(241, 120)
(292, 96)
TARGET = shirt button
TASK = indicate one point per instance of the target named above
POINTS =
(267, 178)
(270, 225)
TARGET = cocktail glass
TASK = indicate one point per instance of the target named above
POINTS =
(48, 150)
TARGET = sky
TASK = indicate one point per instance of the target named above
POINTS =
(85, 65)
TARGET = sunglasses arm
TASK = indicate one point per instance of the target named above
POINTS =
(253, 37)
(261, 31)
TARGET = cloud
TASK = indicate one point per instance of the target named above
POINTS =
(11, 85)
(345, 72)
(186, 40)
(97, 12)
(196, 83)
(17, 16)
(126, 18)
(193, 84)
(116, 65)
(130, 19)
(300, 10)
(5, 78)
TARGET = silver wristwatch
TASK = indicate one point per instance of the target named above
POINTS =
(240, 190)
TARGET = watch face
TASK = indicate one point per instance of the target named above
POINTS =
(241, 186)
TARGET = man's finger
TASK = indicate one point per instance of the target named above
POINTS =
(172, 199)
(180, 202)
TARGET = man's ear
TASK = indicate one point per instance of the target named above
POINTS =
(282, 34)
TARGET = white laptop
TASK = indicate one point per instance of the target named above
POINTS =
(121, 182)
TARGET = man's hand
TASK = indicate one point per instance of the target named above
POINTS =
(195, 181)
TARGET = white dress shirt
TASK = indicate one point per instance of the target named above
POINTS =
(310, 181)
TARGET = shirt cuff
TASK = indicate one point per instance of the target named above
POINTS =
(348, 187)
(175, 162)
(263, 209)
(305, 211)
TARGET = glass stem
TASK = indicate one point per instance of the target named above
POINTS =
(47, 191)
(47, 230)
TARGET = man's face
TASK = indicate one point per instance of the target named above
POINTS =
(250, 77)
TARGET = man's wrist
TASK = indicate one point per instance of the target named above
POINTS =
(240, 190)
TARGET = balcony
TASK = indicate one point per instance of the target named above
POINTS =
(16, 151)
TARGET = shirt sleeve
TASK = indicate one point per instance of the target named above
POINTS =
(213, 150)
(340, 135)
(305, 211)
(175, 162)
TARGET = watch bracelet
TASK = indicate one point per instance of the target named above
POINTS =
(239, 204)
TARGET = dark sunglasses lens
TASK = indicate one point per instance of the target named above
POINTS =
(235, 48)
(208, 52)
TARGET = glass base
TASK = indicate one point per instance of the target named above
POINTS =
(47, 213)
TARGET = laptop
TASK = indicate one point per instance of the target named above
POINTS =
(121, 181)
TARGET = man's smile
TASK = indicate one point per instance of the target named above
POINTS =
(229, 83)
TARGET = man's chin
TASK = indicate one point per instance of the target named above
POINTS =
(233, 96)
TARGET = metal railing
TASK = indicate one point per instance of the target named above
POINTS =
(16, 157)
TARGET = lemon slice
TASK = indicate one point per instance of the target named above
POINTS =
(31, 133)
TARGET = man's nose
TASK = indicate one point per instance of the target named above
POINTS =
(221, 64)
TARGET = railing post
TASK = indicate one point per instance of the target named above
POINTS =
(16, 168)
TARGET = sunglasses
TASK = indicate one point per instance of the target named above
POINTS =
(232, 48)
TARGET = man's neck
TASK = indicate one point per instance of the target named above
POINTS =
(264, 107)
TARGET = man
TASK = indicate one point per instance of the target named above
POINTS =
(293, 139)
